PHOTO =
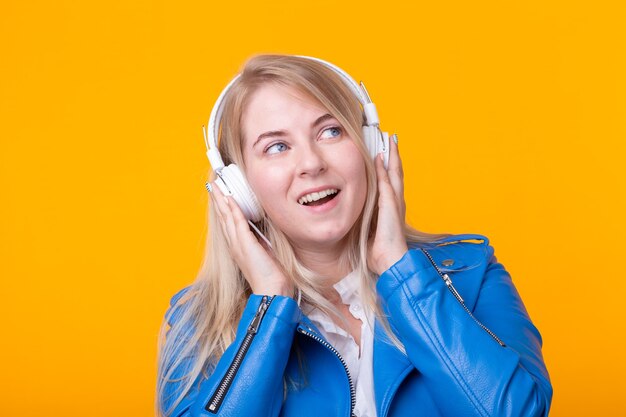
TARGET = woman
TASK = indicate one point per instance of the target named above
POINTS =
(345, 310)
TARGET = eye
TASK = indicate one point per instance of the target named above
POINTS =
(331, 132)
(275, 148)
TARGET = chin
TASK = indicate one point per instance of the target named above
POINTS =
(330, 237)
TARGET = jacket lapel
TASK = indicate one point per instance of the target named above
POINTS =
(391, 366)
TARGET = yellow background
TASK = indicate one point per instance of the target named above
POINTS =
(512, 123)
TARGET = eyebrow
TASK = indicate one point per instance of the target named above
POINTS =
(279, 133)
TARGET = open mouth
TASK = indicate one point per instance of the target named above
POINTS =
(317, 199)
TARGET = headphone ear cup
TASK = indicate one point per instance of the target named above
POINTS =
(376, 142)
(232, 182)
(371, 137)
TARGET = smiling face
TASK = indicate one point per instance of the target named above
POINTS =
(307, 173)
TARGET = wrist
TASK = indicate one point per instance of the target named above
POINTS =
(391, 257)
(272, 290)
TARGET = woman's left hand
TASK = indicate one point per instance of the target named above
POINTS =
(388, 245)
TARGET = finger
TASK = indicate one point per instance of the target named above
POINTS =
(381, 173)
(218, 201)
(236, 225)
(384, 185)
(388, 200)
(395, 170)
(395, 163)
(215, 202)
(228, 209)
(396, 174)
(215, 199)
(240, 222)
(224, 216)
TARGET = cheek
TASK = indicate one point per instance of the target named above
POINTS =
(354, 170)
(360, 175)
(267, 185)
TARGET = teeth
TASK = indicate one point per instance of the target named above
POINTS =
(316, 196)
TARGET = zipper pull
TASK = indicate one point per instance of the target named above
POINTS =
(448, 282)
(256, 321)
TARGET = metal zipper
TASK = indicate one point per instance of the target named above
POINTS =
(216, 400)
(448, 282)
(343, 362)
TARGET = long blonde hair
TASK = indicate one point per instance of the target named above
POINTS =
(204, 321)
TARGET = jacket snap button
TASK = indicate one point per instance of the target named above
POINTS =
(447, 262)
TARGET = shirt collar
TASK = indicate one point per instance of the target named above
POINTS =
(348, 290)
(348, 287)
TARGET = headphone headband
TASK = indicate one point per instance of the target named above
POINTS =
(369, 109)
(231, 180)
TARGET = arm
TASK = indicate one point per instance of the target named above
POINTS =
(256, 361)
(467, 370)
(248, 377)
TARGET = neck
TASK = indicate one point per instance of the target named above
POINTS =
(325, 261)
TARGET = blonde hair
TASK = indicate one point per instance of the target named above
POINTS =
(206, 326)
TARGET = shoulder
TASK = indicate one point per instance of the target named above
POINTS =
(466, 258)
(459, 252)
(177, 305)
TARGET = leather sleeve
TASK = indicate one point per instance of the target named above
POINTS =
(466, 370)
(257, 386)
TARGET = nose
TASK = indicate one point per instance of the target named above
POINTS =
(312, 160)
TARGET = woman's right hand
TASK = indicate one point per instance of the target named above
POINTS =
(254, 258)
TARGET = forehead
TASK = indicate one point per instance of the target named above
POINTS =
(278, 107)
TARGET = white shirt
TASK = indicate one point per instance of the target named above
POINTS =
(361, 368)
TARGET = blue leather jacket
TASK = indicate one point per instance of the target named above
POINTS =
(471, 349)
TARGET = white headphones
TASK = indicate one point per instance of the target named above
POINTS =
(232, 181)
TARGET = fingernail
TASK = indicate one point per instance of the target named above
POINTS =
(209, 188)
(395, 138)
